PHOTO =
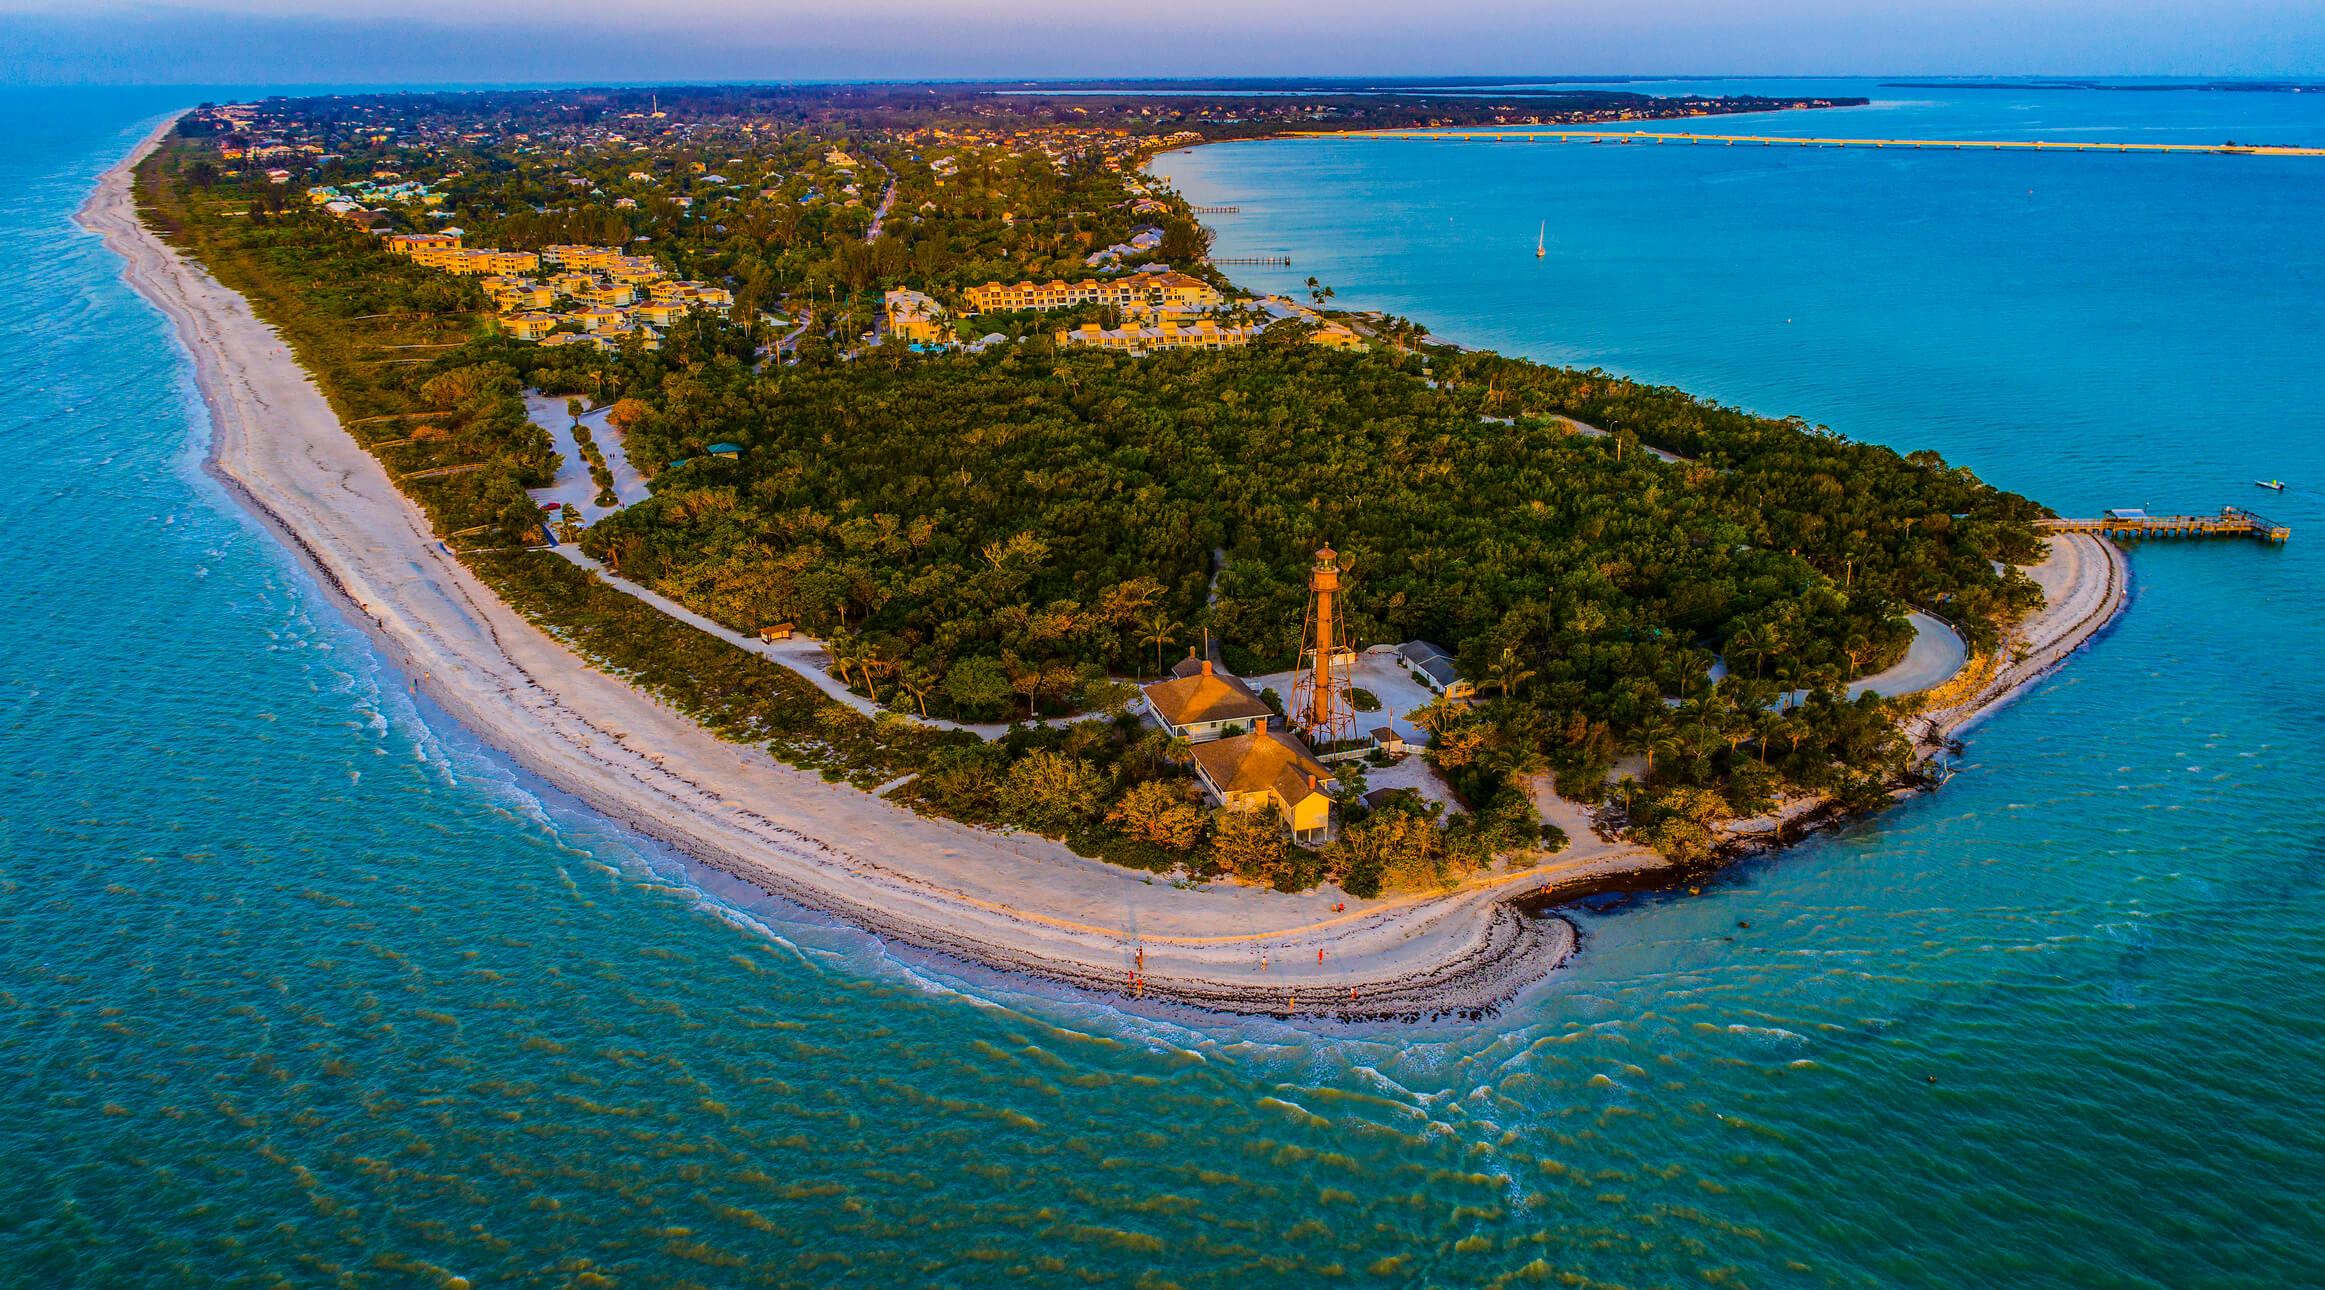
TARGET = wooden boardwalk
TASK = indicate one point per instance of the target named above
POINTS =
(2232, 521)
(1632, 137)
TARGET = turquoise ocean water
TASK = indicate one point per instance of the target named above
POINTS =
(301, 986)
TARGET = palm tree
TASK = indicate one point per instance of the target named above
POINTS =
(847, 649)
(876, 664)
(1655, 734)
(1508, 674)
(917, 681)
(1158, 628)
(1767, 727)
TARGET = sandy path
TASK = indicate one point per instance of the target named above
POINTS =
(1020, 904)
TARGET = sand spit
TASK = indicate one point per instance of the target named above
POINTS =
(1015, 903)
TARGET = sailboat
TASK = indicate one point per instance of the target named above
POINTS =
(1539, 239)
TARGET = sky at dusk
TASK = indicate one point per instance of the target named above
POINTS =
(565, 41)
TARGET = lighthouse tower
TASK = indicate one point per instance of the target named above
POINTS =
(1320, 706)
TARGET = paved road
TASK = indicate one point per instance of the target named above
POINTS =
(887, 199)
(1936, 654)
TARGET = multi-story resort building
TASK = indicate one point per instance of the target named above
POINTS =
(913, 316)
(604, 282)
(1167, 334)
(1166, 289)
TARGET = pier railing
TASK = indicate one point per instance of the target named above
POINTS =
(2232, 521)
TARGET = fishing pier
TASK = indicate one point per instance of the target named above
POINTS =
(2232, 521)
(1635, 137)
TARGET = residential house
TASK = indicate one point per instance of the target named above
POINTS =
(1268, 768)
(1207, 705)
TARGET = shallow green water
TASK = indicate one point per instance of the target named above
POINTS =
(299, 985)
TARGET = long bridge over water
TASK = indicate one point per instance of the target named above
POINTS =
(1636, 137)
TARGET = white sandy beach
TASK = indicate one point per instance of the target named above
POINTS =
(1020, 904)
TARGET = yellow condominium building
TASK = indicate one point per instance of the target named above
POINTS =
(1136, 291)
(660, 313)
(692, 293)
(581, 257)
(528, 326)
(634, 269)
(599, 319)
(408, 243)
(613, 294)
(1169, 334)
(697, 295)
(575, 338)
(913, 316)
(512, 296)
(481, 262)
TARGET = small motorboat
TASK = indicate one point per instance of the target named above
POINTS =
(1540, 238)
(2276, 484)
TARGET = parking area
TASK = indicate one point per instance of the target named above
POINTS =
(573, 486)
(1378, 673)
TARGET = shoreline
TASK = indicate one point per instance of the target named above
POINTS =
(1009, 903)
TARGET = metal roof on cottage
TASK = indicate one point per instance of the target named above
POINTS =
(1262, 761)
(1204, 697)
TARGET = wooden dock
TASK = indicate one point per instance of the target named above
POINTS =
(1632, 137)
(2232, 521)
